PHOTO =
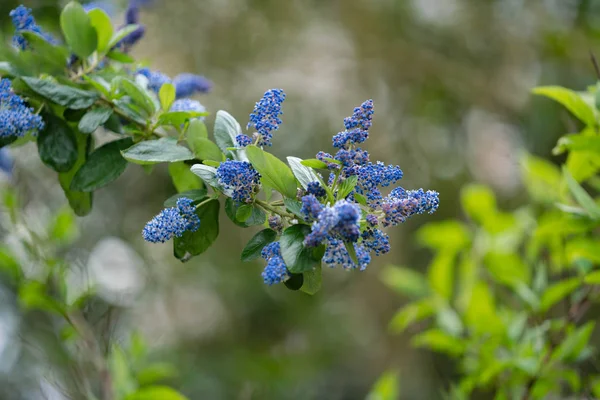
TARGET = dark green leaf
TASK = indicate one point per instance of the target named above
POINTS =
(56, 56)
(253, 249)
(194, 243)
(94, 118)
(257, 217)
(312, 281)
(103, 26)
(347, 186)
(295, 281)
(103, 166)
(305, 175)
(294, 206)
(129, 111)
(5, 141)
(183, 179)
(139, 96)
(314, 163)
(79, 33)
(57, 145)
(65, 96)
(298, 258)
(195, 195)
(571, 347)
(273, 171)
(80, 202)
(157, 151)
(244, 212)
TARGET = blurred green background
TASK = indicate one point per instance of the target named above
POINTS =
(451, 83)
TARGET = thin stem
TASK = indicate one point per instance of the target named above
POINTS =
(267, 207)
(211, 198)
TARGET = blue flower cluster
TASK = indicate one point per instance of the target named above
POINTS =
(186, 84)
(275, 223)
(357, 127)
(188, 105)
(240, 178)
(264, 119)
(172, 221)
(275, 271)
(336, 254)
(16, 118)
(316, 189)
(24, 21)
(341, 221)
(401, 204)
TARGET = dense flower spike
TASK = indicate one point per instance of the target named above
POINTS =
(16, 119)
(376, 240)
(265, 117)
(336, 254)
(311, 208)
(24, 21)
(357, 126)
(155, 78)
(326, 157)
(275, 223)
(188, 84)
(243, 140)
(316, 189)
(240, 178)
(275, 271)
(173, 221)
(339, 221)
(373, 176)
(402, 204)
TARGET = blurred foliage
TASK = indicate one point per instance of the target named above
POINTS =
(508, 293)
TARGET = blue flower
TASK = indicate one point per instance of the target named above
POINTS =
(372, 219)
(357, 126)
(24, 21)
(187, 84)
(316, 189)
(188, 105)
(155, 78)
(240, 178)
(322, 156)
(128, 41)
(276, 270)
(339, 222)
(16, 119)
(275, 223)
(6, 161)
(265, 117)
(376, 240)
(173, 221)
(373, 176)
(311, 208)
(243, 140)
(401, 204)
(336, 254)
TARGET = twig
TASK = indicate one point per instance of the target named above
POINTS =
(595, 63)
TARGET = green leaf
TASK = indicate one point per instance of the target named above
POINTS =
(558, 291)
(140, 97)
(63, 228)
(183, 179)
(305, 175)
(66, 96)
(121, 372)
(80, 202)
(441, 273)
(103, 26)
(294, 206)
(273, 171)
(121, 34)
(298, 258)
(103, 166)
(542, 179)
(360, 199)
(314, 163)
(412, 313)
(405, 281)
(582, 249)
(166, 95)
(244, 212)
(574, 343)
(194, 243)
(129, 111)
(258, 216)
(347, 186)
(507, 268)
(479, 202)
(156, 372)
(207, 173)
(312, 281)
(57, 144)
(179, 118)
(577, 142)
(195, 195)
(571, 100)
(78, 31)
(387, 387)
(204, 149)
(437, 340)
(445, 234)
(582, 197)
(94, 118)
(254, 247)
(33, 296)
(593, 278)
(196, 129)
(157, 151)
(120, 57)
(225, 131)
(9, 265)
(54, 55)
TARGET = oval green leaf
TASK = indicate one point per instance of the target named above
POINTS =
(78, 31)
(157, 151)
